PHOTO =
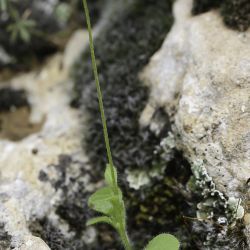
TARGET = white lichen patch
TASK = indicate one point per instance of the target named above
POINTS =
(214, 206)
(137, 179)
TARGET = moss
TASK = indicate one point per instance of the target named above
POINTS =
(201, 6)
(71, 182)
(53, 236)
(236, 13)
(122, 50)
(160, 205)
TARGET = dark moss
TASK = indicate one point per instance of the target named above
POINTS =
(10, 98)
(208, 235)
(73, 210)
(201, 6)
(236, 13)
(55, 239)
(122, 50)
(95, 10)
(160, 206)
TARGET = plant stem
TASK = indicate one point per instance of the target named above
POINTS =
(125, 239)
(122, 225)
(99, 94)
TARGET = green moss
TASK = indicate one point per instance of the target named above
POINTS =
(236, 13)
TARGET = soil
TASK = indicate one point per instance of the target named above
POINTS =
(15, 115)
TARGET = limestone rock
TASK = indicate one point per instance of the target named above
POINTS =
(32, 242)
(26, 164)
(201, 76)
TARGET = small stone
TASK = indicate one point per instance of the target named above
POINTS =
(32, 242)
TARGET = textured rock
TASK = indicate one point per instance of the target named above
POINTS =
(201, 76)
(29, 186)
(31, 243)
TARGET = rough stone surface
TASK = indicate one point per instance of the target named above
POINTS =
(29, 174)
(31, 243)
(201, 77)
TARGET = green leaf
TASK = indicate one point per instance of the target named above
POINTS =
(101, 200)
(101, 219)
(108, 175)
(24, 34)
(163, 242)
(13, 33)
(29, 23)
(3, 5)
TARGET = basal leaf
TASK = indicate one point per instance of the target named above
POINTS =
(101, 200)
(3, 5)
(101, 219)
(29, 23)
(108, 175)
(24, 34)
(163, 242)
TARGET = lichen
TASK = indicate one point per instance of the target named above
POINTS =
(215, 205)
(218, 212)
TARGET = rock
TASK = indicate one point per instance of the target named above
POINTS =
(74, 48)
(5, 58)
(29, 177)
(204, 84)
(201, 76)
(31, 243)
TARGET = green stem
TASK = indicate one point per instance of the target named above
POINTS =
(122, 226)
(125, 239)
(99, 93)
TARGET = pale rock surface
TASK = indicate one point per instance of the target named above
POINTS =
(201, 76)
(31, 243)
(23, 197)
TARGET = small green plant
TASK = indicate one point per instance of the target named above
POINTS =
(21, 26)
(109, 200)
